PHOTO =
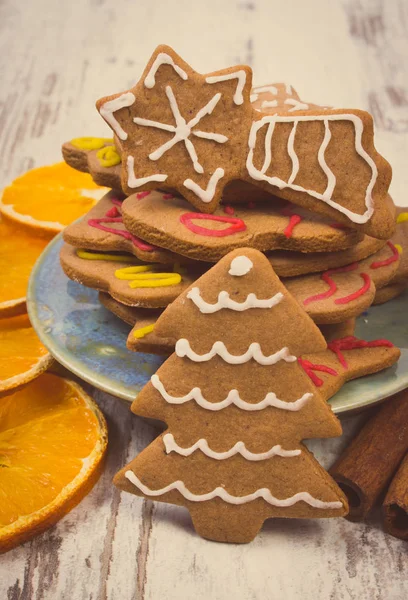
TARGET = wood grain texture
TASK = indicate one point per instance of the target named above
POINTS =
(58, 57)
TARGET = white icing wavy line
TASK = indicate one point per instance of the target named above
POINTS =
(268, 146)
(239, 448)
(240, 75)
(220, 492)
(108, 108)
(326, 196)
(254, 351)
(224, 301)
(162, 59)
(233, 398)
(331, 179)
(292, 154)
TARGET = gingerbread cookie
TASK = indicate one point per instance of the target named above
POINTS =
(129, 281)
(279, 98)
(142, 337)
(96, 156)
(336, 331)
(196, 133)
(170, 224)
(400, 239)
(330, 297)
(102, 230)
(389, 292)
(343, 293)
(287, 263)
(232, 453)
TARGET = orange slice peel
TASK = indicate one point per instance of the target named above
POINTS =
(46, 199)
(22, 356)
(53, 438)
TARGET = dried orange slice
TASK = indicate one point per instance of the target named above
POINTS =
(18, 252)
(52, 441)
(22, 355)
(49, 198)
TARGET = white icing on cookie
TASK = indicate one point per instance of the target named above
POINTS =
(233, 398)
(162, 59)
(240, 265)
(266, 88)
(108, 108)
(239, 448)
(135, 182)
(222, 493)
(183, 130)
(269, 104)
(240, 75)
(208, 194)
(326, 196)
(224, 301)
(254, 352)
(296, 104)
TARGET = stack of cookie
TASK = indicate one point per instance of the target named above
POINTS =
(202, 165)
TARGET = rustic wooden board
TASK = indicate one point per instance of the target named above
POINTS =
(56, 58)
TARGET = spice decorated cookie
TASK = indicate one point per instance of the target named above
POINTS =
(170, 223)
(193, 133)
(101, 157)
(280, 97)
(329, 297)
(142, 338)
(127, 279)
(96, 156)
(232, 454)
(102, 230)
(399, 282)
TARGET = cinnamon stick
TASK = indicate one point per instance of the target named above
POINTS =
(368, 464)
(395, 506)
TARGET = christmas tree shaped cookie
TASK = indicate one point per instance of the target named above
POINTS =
(237, 405)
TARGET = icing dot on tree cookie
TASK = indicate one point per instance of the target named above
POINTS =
(240, 265)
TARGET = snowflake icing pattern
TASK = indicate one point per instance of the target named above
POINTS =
(182, 130)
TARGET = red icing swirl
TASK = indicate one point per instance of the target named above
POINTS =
(310, 367)
(364, 288)
(98, 224)
(352, 343)
(237, 225)
(326, 276)
(388, 261)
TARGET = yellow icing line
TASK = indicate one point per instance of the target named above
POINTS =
(108, 156)
(402, 217)
(140, 333)
(90, 143)
(143, 277)
(105, 256)
(155, 280)
(399, 248)
(129, 272)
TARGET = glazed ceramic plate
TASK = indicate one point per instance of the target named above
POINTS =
(91, 342)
